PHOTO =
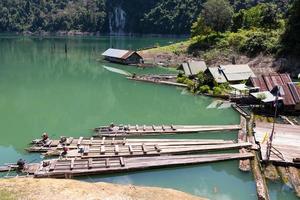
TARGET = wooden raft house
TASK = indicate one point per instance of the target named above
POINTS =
(289, 92)
(128, 130)
(68, 168)
(120, 56)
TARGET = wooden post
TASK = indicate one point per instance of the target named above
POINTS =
(260, 181)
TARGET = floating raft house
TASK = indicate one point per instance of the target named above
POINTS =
(126, 57)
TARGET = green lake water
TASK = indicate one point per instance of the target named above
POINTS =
(44, 89)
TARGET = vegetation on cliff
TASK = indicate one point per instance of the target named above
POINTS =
(151, 16)
(291, 40)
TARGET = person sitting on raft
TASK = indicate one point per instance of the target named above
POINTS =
(45, 138)
(65, 151)
(111, 126)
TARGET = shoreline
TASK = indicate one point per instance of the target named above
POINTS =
(97, 34)
(35, 189)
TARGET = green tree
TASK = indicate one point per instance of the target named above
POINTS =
(200, 28)
(291, 39)
(217, 14)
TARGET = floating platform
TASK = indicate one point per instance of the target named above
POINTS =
(150, 150)
(109, 147)
(165, 79)
(285, 146)
(128, 130)
(69, 168)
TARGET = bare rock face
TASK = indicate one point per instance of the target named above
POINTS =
(53, 189)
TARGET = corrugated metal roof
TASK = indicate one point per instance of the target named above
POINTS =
(217, 74)
(295, 90)
(117, 53)
(287, 97)
(259, 82)
(291, 94)
(285, 78)
(276, 79)
(268, 81)
(237, 72)
(193, 67)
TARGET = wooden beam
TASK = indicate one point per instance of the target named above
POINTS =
(116, 149)
(72, 163)
(86, 150)
(144, 149)
(91, 140)
(130, 149)
(157, 148)
(107, 163)
(103, 140)
(102, 149)
(79, 141)
(90, 163)
(52, 165)
(113, 141)
(122, 162)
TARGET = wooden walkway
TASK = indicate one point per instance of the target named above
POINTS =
(68, 168)
(128, 130)
(158, 79)
(286, 143)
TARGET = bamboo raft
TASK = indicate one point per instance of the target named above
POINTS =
(102, 147)
(128, 130)
(150, 150)
(68, 168)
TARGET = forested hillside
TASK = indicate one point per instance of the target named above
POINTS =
(108, 16)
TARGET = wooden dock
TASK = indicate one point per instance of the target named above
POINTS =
(286, 143)
(69, 168)
(129, 130)
(158, 79)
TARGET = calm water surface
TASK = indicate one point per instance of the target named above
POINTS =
(43, 89)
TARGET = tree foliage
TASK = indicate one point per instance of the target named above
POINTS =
(291, 39)
(171, 16)
(52, 15)
(217, 14)
(263, 15)
(142, 16)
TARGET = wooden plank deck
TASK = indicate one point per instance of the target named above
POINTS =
(64, 167)
(98, 142)
(152, 150)
(286, 141)
(128, 130)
